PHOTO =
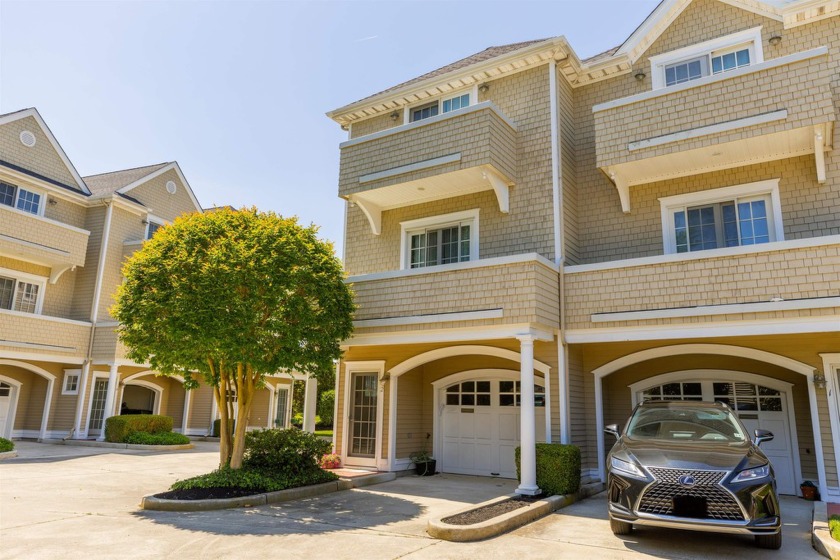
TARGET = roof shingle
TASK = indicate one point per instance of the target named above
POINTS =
(106, 183)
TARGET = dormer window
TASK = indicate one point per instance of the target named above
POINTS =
(20, 198)
(707, 59)
(443, 105)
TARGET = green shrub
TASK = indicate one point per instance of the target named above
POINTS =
(326, 407)
(834, 527)
(291, 452)
(6, 445)
(162, 438)
(117, 428)
(297, 420)
(558, 468)
(217, 427)
(250, 479)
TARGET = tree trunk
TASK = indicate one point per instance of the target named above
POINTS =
(245, 386)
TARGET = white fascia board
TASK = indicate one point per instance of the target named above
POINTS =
(723, 309)
(798, 325)
(54, 190)
(432, 318)
(466, 334)
(53, 142)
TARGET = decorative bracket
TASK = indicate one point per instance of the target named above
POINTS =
(819, 153)
(371, 211)
(500, 187)
(623, 191)
(57, 271)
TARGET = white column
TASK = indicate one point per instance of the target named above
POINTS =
(563, 391)
(599, 428)
(42, 435)
(527, 437)
(185, 418)
(110, 397)
(310, 404)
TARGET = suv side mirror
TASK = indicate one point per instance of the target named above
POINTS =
(762, 435)
(613, 429)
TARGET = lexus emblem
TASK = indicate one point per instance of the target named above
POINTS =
(687, 480)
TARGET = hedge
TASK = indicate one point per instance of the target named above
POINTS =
(558, 468)
(6, 445)
(290, 451)
(161, 438)
(117, 428)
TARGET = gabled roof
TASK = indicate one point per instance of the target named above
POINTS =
(122, 182)
(80, 185)
(107, 183)
(494, 62)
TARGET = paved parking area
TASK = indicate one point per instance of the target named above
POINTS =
(75, 502)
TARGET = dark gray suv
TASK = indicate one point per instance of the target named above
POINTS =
(691, 465)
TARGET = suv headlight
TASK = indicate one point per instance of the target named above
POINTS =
(626, 467)
(756, 473)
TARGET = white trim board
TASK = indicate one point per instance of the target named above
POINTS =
(795, 325)
(480, 263)
(465, 334)
(701, 131)
(418, 166)
(724, 309)
(432, 318)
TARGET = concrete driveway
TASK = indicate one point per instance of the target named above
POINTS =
(73, 502)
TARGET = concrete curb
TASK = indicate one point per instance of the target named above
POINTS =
(507, 521)
(8, 454)
(821, 536)
(109, 445)
(159, 504)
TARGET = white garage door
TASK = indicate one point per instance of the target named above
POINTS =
(481, 426)
(756, 405)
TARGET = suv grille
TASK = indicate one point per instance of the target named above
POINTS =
(659, 497)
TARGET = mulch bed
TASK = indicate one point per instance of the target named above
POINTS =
(489, 512)
(206, 493)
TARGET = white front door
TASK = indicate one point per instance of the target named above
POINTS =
(757, 406)
(363, 418)
(97, 407)
(480, 426)
(5, 409)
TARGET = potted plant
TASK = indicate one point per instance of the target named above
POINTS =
(424, 463)
(809, 490)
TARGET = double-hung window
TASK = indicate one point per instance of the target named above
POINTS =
(707, 59)
(19, 294)
(20, 198)
(448, 239)
(444, 105)
(728, 217)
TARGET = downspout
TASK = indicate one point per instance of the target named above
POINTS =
(559, 255)
(94, 315)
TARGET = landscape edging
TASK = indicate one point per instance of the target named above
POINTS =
(8, 454)
(820, 534)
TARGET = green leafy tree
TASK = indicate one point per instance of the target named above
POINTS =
(229, 297)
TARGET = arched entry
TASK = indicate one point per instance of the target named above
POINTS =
(710, 349)
(140, 397)
(759, 401)
(476, 421)
(9, 391)
(14, 392)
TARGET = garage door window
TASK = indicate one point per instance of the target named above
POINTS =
(509, 394)
(675, 392)
(748, 397)
(469, 393)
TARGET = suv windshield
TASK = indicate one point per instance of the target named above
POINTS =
(698, 423)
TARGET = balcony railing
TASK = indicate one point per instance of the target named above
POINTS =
(782, 278)
(43, 334)
(41, 240)
(507, 290)
(461, 152)
(776, 109)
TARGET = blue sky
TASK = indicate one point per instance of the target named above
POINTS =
(236, 91)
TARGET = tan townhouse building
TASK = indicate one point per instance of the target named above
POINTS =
(539, 242)
(63, 239)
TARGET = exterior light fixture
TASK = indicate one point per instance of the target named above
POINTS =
(640, 75)
(775, 40)
(819, 380)
(395, 115)
(52, 201)
(484, 88)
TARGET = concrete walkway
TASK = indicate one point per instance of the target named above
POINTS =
(72, 502)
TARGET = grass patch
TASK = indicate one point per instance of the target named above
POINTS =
(834, 527)
(255, 480)
(324, 433)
